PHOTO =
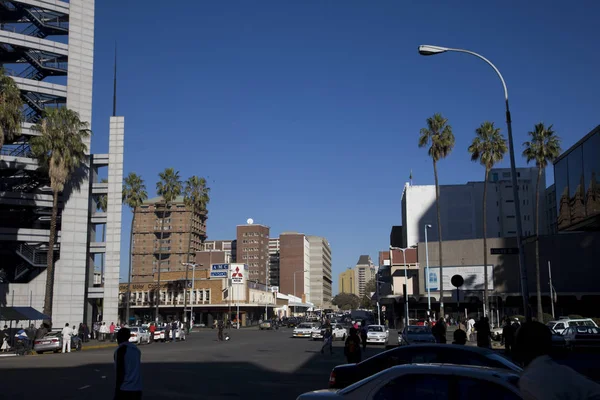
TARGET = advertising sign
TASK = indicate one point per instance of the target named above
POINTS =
(219, 271)
(237, 274)
(473, 276)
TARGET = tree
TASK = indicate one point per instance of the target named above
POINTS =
(346, 301)
(60, 150)
(11, 105)
(440, 139)
(370, 287)
(169, 187)
(543, 147)
(196, 198)
(366, 302)
(134, 194)
(488, 147)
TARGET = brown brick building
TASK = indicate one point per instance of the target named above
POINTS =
(175, 244)
(252, 248)
(294, 264)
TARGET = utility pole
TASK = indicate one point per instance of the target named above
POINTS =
(552, 292)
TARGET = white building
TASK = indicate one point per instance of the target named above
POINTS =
(320, 272)
(461, 208)
(48, 49)
(364, 272)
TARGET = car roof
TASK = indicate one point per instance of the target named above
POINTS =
(410, 347)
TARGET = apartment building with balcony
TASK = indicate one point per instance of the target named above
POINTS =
(47, 47)
(165, 237)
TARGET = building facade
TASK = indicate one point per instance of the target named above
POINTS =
(274, 262)
(551, 211)
(51, 73)
(347, 282)
(576, 175)
(165, 237)
(294, 265)
(320, 272)
(252, 248)
(364, 273)
(461, 208)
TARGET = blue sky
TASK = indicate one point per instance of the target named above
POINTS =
(304, 115)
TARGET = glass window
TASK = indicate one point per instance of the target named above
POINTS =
(415, 387)
(576, 185)
(560, 326)
(591, 170)
(469, 388)
(561, 181)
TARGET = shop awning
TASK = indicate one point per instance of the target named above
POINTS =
(21, 314)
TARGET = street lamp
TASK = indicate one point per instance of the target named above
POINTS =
(405, 280)
(427, 226)
(429, 50)
(193, 265)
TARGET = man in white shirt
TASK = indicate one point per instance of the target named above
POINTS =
(67, 332)
(543, 379)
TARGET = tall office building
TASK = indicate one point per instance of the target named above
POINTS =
(274, 261)
(252, 248)
(461, 208)
(320, 271)
(364, 272)
(150, 253)
(47, 47)
(294, 265)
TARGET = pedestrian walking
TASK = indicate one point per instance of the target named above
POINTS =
(439, 331)
(508, 336)
(167, 332)
(111, 331)
(80, 331)
(220, 330)
(484, 333)
(4, 338)
(128, 360)
(95, 330)
(470, 326)
(67, 332)
(174, 329)
(363, 337)
(152, 329)
(86, 333)
(327, 339)
(543, 378)
(352, 347)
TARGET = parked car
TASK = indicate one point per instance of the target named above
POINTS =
(338, 331)
(562, 324)
(416, 334)
(53, 342)
(266, 325)
(378, 334)
(581, 337)
(139, 335)
(292, 322)
(427, 381)
(159, 334)
(345, 375)
(305, 329)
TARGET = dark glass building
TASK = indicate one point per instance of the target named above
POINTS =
(576, 175)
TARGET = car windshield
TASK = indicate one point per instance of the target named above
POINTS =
(374, 328)
(304, 326)
(419, 330)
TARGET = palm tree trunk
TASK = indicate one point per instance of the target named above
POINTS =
(538, 283)
(485, 262)
(49, 296)
(162, 232)
(439, 223)
(187, 266)
(130, 268)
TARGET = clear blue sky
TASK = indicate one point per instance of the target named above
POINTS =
(305, 114)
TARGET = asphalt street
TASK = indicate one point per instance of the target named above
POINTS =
(253, 365)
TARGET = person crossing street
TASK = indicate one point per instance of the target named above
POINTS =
(327, 339)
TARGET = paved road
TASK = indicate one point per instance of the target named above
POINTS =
(254, 364)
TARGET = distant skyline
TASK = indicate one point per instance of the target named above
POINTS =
(326, 99)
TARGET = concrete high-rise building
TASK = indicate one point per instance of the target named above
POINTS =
(149, 252)
(320, 271)
(462, 209)
(294, 265)
(252, 248)
(274, 261)
(47, 47)
(364, 273)
(347, 282)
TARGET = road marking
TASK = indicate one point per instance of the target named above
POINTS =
(84, 387)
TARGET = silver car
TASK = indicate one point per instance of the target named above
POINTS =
(53, 342)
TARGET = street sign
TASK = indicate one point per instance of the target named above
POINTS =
(457, 281)
(504, 250)
(219, 271)
(237, 274)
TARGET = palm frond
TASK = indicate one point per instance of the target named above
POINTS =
(438, 136)
(134, 191)
(543, 146)
(488, 146)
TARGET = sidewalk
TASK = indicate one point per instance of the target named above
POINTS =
(95, 344)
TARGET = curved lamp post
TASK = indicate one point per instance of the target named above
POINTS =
(429, 50)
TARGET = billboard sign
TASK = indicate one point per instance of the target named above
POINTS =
(238, 273)
(473, 276)
(219, 271)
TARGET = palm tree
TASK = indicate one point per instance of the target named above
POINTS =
(60, 149)
(440, 139)
(488, 147)
(134, 195)
(169, 187)
(196, 198)
(11, 105)
(543, 147)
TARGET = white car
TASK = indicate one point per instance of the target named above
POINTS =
(377, 334)
(562, 324)
(428, 381)
(159, 334)
(139, 335)
(305, 329)
(339, 332)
